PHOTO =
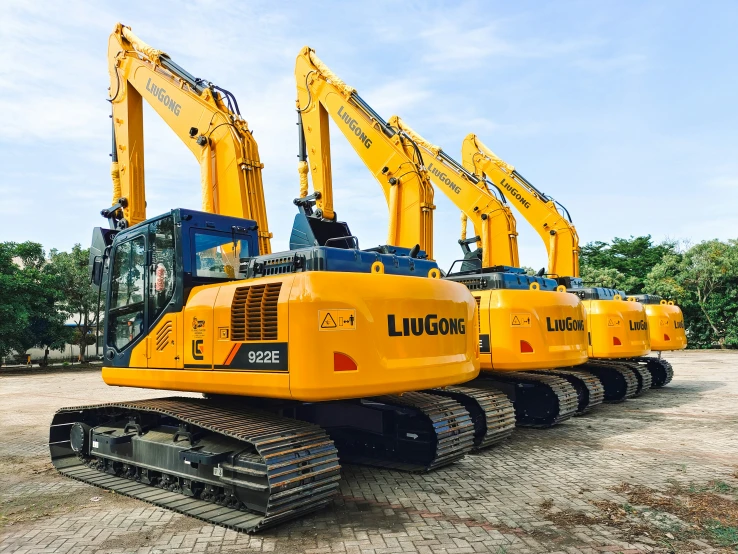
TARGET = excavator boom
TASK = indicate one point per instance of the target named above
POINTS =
(549, 218)
(479, 200)
(321, 94)
(205, 117)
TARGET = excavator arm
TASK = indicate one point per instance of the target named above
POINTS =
(493, 221)
(404, 164)
(388, 155)
(205, 117)
(549, 218)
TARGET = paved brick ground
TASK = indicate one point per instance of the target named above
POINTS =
(497, 501)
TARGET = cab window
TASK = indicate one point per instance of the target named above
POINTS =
(126, 307)
(217, 256)
(162, 281)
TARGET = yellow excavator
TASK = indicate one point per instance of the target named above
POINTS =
(302, 356)
(525, 322)
(620, 327)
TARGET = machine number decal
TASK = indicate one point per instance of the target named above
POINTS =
(519, 320)
(484, 344)
(257, 356)
(263, 356)
(337, 320)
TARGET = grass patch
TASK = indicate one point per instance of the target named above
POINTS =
(668, 518)
(629, 509)
(702, 511)
(721, 487)
(721, 534)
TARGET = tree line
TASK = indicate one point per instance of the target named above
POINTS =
(40, 293)
(701, 278)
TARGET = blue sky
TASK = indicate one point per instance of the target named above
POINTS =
(623, 111)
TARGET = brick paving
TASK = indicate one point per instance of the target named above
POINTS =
(488, 502)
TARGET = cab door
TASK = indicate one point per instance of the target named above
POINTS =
(164, 341)
(126, 322)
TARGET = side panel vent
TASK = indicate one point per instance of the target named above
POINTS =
(479, 312)
(163, 335)
(254, 312)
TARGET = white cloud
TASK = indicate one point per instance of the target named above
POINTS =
(724, 182)
(623, 63)
(547, 87)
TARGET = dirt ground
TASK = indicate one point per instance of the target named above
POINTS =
(657, 473)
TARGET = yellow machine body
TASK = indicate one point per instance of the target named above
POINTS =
(553, 223)
(197, 349)
(666, 326)
(617, 329)
(408, 169)
(548, 333)
(350, 335)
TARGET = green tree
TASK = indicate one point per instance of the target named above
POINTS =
(607, 277)
(633, 258)
(29, 300)
(704, 282)
(80, 299)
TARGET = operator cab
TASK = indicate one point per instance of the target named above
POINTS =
(150, 269)
(329, 246)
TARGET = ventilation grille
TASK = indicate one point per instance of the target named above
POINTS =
(254, 312)
(278, 266)
(163, 335)
(479, 312)
(473, 284)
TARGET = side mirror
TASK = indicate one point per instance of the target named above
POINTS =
(96, 273)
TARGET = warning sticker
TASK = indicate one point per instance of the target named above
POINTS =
(520, 320)
(337, 320)
(613, 322)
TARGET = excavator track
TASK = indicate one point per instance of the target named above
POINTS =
(539, 400)
(643, 376)
(491, 411)
(428, 432)
(661, 371)
(590, 392)
(617, 378)
(237, 467)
